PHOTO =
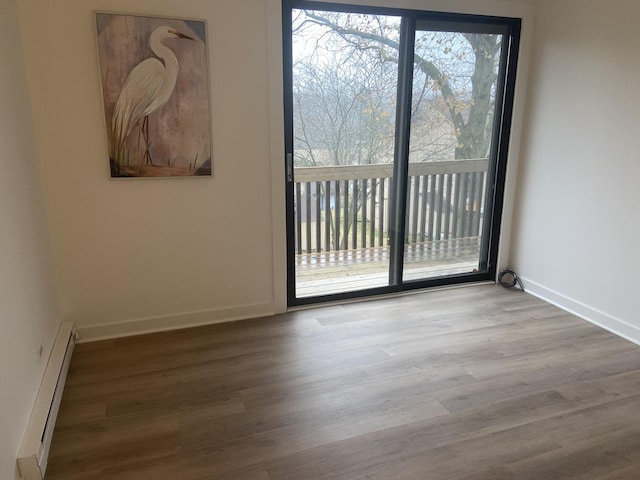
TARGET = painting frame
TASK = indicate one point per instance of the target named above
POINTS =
(156, 99)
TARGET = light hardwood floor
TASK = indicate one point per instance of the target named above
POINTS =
(473, 383)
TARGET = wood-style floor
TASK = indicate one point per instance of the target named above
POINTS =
(472, 383)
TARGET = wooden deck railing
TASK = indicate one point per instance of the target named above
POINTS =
(347, 207)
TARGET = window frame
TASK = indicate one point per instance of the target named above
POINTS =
(415, 20)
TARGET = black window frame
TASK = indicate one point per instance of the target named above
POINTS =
(412, 20)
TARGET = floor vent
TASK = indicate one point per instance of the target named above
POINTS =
(34, 452)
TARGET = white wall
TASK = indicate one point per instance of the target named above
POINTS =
(28, 305)
(576, 229)
(143, 255)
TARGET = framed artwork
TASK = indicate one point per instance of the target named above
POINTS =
(155, 87)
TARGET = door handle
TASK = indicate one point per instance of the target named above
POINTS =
(289, 168)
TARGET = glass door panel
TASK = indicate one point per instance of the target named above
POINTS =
(455, 79)
(344, 102)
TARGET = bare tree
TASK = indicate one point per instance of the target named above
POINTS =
(345, 71)
(342, 118)
(344, 115)
(438, 57)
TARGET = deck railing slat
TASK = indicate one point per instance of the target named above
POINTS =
(372, 223)
(438, 203)
(480, 195)
(336, 217)
(447, 200)
(307, 204)
(416, 209)
(456, 206)
(424, 180)
(381, 230)
(354, 215)
(470, 205)
(318, 216)
(363, 236)
(327, 216)
(298, 230)
(345, 232)
(432, 207)
(465, 206)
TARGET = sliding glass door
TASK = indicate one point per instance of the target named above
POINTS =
(396, 124)
(456, 76)
(344, 108)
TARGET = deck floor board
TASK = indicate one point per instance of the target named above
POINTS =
(324, 273)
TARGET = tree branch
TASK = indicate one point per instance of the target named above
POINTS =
(427, 67)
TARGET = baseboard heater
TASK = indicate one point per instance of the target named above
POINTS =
(34, 452)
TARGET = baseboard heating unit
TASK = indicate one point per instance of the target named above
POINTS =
(34, 452)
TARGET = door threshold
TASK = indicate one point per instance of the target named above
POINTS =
(383, 296)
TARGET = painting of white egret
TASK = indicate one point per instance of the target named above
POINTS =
(155, 85)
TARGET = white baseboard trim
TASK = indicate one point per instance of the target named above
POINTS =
(590, 314)
(141, 326)
(34, 451)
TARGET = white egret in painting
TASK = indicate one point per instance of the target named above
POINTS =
(148, 87)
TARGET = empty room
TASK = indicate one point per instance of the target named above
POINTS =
(333, 240)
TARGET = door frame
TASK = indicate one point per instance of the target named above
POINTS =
(500, 142)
